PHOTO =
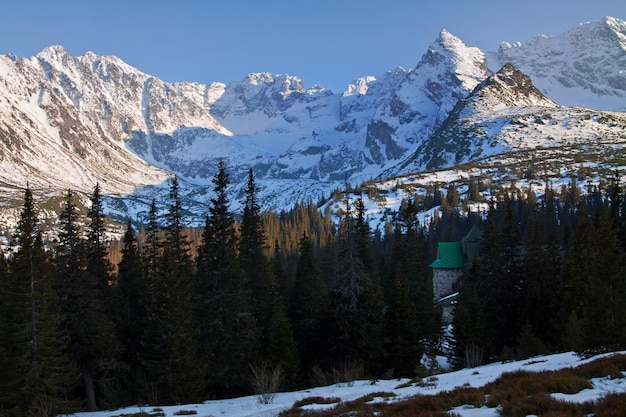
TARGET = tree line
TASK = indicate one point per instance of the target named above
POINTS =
(550, 276)
(294, 294)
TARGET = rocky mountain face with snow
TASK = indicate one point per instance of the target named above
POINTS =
(72, 122)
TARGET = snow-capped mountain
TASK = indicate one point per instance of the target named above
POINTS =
(586, 66)
(505, 113)
(72, 122)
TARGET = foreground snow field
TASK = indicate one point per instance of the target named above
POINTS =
(475, 377)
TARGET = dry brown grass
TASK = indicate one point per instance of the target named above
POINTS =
(519, 394)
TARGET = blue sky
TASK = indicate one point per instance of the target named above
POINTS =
(327, 42)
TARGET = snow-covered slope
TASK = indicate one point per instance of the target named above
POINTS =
(505, 113)
(69, 122)
(395, 390)
(586, 66)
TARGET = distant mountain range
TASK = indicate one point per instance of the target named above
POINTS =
(72, 122)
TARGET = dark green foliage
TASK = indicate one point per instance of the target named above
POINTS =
(402, 340)
(278, 345)
(132, 291)
(172, 371)
(410, 254)
(97, 263)
(549, 277)
(40, 374)
(309, 309)
(253, 252)
(356, 296)
(228, 331)
(471, 330)
(604, 314)
(92, 344)
(550, 274)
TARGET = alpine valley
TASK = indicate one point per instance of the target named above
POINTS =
(550, 107)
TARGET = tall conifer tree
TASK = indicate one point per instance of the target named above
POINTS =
(228, 327)
(308, 309)
(279, 347)
(402, 341)
(42, 376)
(356, 296)
(91, 332)
(170, 362)
(97, 263)
(252, 252)
(131, 316)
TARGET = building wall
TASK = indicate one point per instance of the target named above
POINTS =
(445, 282)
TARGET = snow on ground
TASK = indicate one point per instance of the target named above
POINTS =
(474, 377)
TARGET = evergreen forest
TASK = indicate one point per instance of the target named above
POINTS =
(188, 314)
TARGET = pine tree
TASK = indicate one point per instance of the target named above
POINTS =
(472, 337)
(308, 309)
(542, 287)
(604, 318)
(279, 347)
(357, 299)
(97, 263)
(100, 270)
(410, 255)
(402, 342)
(172, 371)
(499, 274)
(42, 376)
(152, 245)
(252, 250)
(7, 400)
(228, 327)
(131, 316)
(90, 330)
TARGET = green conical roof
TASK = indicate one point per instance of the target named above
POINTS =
(448, 256)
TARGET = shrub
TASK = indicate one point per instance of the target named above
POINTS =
(266, 381)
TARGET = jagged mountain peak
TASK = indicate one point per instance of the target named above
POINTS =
(449, 41)
(509, 87)
(469, 64)
(607, 29)
(582, 67)
(495, 109)
(108, 68)
(73, 121)
(53, 52)
(283, 84)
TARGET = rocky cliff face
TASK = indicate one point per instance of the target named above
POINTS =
(507, 113)
(583, 67)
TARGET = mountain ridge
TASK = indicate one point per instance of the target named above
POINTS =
(71, 122)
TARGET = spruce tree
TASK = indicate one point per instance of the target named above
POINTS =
(402, 341)
(356, 296)
(152, 245)
(172, 371)
(410, 255)
(308, 309)
(91, 333)
(604, 318)
(472, 336)
(131, 315)
(228, 327)
(6, 364)
(97, 263)
(279, 347)
(252, 252)
(41, 374)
